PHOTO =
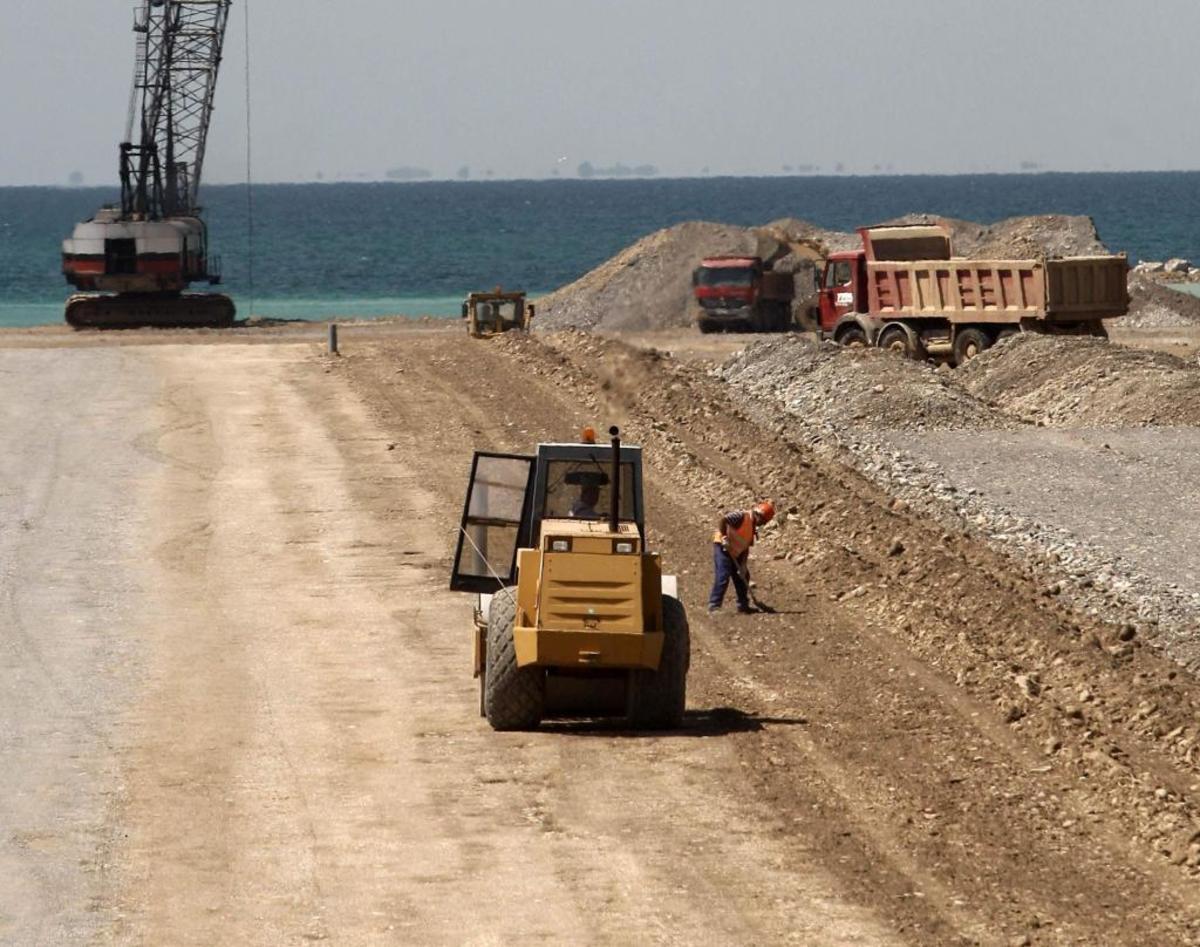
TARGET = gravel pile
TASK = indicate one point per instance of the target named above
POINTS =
(1051, 235)
(865, 408)
(1155, 306)
(1083, 382)
(838, 388)
(1030, 379)
(648, 285)
(1018, 238)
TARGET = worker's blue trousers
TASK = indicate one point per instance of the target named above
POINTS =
(724, 569)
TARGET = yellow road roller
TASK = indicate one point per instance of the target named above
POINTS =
(574, 616)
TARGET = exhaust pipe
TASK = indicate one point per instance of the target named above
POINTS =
(614, 511)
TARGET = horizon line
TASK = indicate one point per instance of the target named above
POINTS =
(597, 179)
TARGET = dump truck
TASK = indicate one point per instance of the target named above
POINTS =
(574, 616)
(905, 291)
(741, 293)
(490, 313)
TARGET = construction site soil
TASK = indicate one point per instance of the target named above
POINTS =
(1075, 454)
(940, 735)
(977, 757)
(238, 703)
(970, 716)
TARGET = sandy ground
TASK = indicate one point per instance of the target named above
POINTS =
(238, 708)
(72, 534)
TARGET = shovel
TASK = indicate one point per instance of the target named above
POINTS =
(744, 572)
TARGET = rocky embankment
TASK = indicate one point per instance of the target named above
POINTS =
(1175, 270)
(1053, 416)
(1155, 305)
(879, 413)
(648, 285)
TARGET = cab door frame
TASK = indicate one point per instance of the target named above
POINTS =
(503, 572)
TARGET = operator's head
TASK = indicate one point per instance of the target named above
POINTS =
(589, 494)
(763, 512)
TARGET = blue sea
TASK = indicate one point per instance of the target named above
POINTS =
(369, 250)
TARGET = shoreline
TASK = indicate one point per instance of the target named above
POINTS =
(349, 318)
(271, 310)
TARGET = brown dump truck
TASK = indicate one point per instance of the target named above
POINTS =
(905, 291)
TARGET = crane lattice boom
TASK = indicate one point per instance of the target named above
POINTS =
(175, 79)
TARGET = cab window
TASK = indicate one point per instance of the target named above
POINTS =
(580, 489)
(839, 273)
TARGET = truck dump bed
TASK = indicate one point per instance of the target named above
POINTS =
(778, 285)
(1072, 289)
(1067, 290)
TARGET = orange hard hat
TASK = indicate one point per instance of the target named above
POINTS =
(765, 510)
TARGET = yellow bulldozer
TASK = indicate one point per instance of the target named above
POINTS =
(574, 616)
(491, 313)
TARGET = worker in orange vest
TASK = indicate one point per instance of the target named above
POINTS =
(736, 532)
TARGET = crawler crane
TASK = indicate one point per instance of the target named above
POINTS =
(132, 263)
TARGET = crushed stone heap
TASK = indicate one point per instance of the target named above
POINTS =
(1083, 382)
(648, 285)
(1051, 381)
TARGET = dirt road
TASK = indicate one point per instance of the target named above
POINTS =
(965, 755)
(71, 588)
(237, 708)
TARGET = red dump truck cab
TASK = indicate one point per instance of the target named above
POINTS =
(906, 291)
(741, 293)
(843, 290)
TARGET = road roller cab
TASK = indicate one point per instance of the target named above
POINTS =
(574, 616)
(490, 313)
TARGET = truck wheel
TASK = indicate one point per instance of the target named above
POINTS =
(513, 697)
(896, 338)
(483, 680)
(706, 325)
(656, 699)
(851, 336)
(968, 343)
(767, 321)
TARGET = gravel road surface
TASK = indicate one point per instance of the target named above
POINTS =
(238, 707)
(1129, 492)
(73, 537)
(237, 704)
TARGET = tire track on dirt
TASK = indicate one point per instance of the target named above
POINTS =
(67, 480)
(1010, 841)
(720, 868)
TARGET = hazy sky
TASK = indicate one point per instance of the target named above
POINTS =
(351, 88)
